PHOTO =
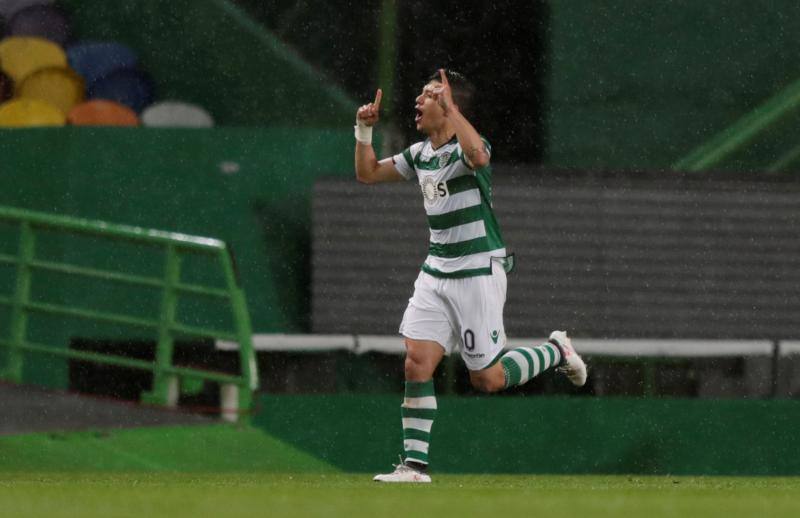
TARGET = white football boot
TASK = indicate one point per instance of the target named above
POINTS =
(403, 473)
(572, 365)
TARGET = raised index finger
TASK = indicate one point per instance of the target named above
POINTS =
(444, 77)
(378, 96)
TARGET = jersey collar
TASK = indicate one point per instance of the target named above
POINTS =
(451, 141)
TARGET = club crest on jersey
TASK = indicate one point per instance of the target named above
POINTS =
(444, 158)
(431, 190)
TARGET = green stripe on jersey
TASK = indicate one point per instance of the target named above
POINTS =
(432, 164)
(459, 274)
(462, 248)
(461, 184)
(456, 217)
(491, 226)
(408, 157)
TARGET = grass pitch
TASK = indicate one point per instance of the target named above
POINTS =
(109, 495)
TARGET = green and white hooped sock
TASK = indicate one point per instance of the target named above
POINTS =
(524, 363)
(418, 412)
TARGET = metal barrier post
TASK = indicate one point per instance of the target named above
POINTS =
(19, 315)
(244, 333)
(162, 378)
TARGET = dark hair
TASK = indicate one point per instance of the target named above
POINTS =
(463, 90)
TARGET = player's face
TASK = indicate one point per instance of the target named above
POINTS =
(429, 114)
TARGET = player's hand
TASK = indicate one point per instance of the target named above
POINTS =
(442, 93)
(368, 113)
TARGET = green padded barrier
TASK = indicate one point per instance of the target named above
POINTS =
(494, 434)
(248, 187)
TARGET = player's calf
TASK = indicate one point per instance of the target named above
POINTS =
(522, 364)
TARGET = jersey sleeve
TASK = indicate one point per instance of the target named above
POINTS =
(404, 162)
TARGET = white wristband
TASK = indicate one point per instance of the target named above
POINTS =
(363, 132)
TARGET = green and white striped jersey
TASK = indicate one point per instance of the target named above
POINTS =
(465, 235)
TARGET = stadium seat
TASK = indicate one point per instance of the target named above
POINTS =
(44, 21)
(176, 114)
(20, 56)
(6, 87)
(100, 112)
(19, 113)
(60, 87)
(132, 88)
(8, 8)
(97, 60)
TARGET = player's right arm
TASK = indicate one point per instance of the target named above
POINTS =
(368, 168)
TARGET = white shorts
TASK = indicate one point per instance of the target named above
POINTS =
(460, 312)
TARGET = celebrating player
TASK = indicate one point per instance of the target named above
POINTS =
(459, 294)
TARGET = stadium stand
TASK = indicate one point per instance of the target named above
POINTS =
(32, 58)
(625, 256)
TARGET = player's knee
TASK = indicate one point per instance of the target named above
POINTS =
(486, 384)
(416, 368)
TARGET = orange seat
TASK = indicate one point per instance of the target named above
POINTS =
(21, 56)
(19, 113)
(100, 112)
(60, 87)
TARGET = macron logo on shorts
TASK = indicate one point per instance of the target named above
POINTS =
(495, 335)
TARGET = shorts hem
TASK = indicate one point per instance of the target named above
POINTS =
(427, 339)
(494, 359)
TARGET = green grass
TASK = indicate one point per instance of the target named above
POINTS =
(227, 471)
(211, 448)
(109, 495)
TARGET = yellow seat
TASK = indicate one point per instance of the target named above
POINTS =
(20, 56)
(60, 87)
(19, 113)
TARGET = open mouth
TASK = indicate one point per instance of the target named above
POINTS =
(419, 115)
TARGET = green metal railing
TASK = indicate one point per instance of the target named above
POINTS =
(743, 132)
(175, 246)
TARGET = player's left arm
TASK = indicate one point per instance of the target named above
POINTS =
(472, 145)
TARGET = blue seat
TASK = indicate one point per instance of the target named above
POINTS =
(98, 59)
(130, 87)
